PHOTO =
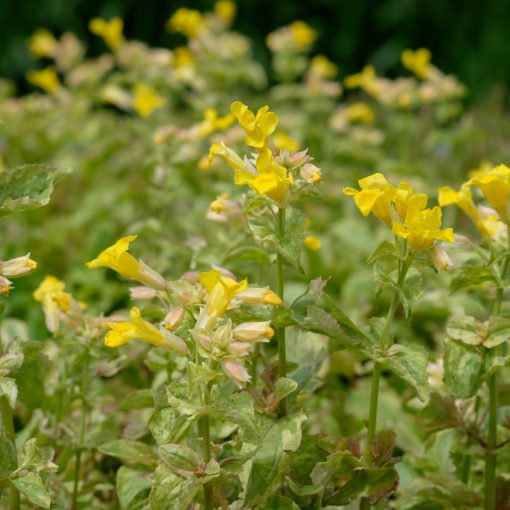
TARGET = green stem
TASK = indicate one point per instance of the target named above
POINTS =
(254, 363)
(280, 332)
(206, 435)
(7, 428)
(492, 439)
(490, 454)
(83, 426)
(385, 341)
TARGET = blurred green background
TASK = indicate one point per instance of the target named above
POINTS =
(468, 37)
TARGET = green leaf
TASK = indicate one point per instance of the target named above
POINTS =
(276, 438)
(9, 389)
(140, 399)
(440, 413)
(462, 369)
(467, 330)
(181, 459)
(277, 502)
(469, 276)
(383, 445)
(27, 187)
(131, 452)
(499, 332)
(284, 387)
(237, 408)
(10, 361)
(8, 456)
(171, 492)
(385, 251)
(410, 364)
(130, 483)
(32, 487)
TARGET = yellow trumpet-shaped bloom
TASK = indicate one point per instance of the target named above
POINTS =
(221, 290)
(422, 228)
(322, 67)
(406, 199)
(110, 31)
(188, 22)
(375, 196)
(116, 257)
(270, 178)
(230, 157)
(259, 127)
(417, 61)
(140, 329)
(360, 112)
(51, 295)
(463, 198)
(213, 122)
(226, 10)
(302, 34)
(146, 100)
(42, 43)
(46, 79)
(366, 80)
(495, 185)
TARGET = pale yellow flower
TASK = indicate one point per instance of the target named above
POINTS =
(42, 43)
(417, 61)
(188, 22)
(46, 79)
(226, 10)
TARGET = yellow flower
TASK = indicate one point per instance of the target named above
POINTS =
(282, 141)
(322, 67)
(226, 10)
(310, 173)
(366, 79)
(140, 329)
(213, 122)
(258, 127)
(302, 34)
(270, 178)
(19, 266)
(47, 79)
(359, 112)
(228, 155)
(183, 58)
(51, 295)
(417, 61)
(422, 228)
(116, 257)
(110, 31)
(42, 43)
(221, 290)
(253, 332)
(463, 198)
(146, 100)
(312, 243)
(484, 168)
(495, 185)
(374, 197)
(490, 226)
(188, 22)
(258, 296)
(406, 199)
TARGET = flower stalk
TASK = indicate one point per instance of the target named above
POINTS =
(280, 331)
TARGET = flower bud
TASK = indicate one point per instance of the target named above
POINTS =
(257, 296)
(253, 332)
(5, 286)
(173, 318)
(236, 372)
(141, 292)
(312, 243)
(441, 259)
(20, 266)
(240, 349)
(310, 173)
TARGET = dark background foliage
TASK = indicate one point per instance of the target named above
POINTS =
(467, 37)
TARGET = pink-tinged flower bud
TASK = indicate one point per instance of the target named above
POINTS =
(257, 296)
(5, 286)
(253, 332)
(20, 266)
(236, 372)
(240, 349)
(295, 160)
(173, 318)
(142, 292)
(441, 259)
(310, 173)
